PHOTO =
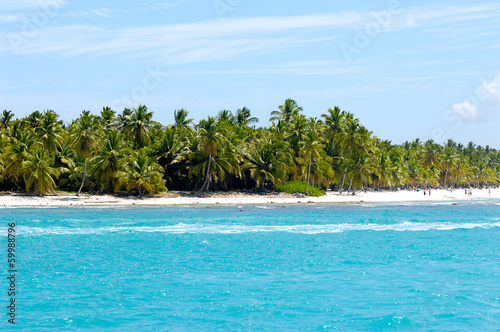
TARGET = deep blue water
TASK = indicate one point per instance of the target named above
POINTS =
(263, 268)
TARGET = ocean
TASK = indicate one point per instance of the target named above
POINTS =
(303, 267)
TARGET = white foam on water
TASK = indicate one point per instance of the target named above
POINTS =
(182, 228)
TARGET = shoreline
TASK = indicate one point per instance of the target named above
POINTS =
(238, 198)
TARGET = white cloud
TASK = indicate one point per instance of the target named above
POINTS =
(490, 90)
(465, 110)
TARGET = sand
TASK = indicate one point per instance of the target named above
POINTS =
(237, 198)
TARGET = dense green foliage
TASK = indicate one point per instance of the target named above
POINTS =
(130, 152)
(293, 187)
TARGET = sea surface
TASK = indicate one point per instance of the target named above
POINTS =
(304, 267)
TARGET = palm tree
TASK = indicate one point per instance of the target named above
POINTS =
(85, 138)
(310, 148)
(225, 116)
(108, 118)
(431, 154)
(269, 159)
(286, 111)
(49, 132)
(124, 119)
(109, 157)
(222, 163)
(333, 121)
(299, 126)
(211, 141)
(141, 173)
(449, 161)
(16, 154)
(138, 125)
(181, 118)
(244, 117)
(171, 149)
(361, 170)
(5, 119)
(40, 172)
(384, 169)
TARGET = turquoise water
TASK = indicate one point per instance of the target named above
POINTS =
(263, 268)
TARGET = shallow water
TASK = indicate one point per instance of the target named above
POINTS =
(237, 268)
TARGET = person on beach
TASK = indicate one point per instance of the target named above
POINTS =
(429, 193)
(425, 192)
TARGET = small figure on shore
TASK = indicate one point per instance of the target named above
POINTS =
(425, 193)
(465, 192)
(429, 193)
(470, 192)
(489, 191)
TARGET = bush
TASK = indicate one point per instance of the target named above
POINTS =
(300, 187)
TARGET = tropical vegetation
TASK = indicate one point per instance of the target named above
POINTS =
(129, 152)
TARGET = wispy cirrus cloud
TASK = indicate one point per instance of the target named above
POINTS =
(8, 18)
(216, 40)
(23, 5)
(92, 14)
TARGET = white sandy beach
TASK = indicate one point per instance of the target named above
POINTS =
(236, 198)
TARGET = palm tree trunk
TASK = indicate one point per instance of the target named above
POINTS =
(308, 174)
(83, 180)
(445, 176)
(333, 142)
(206, 183)
(343, 181)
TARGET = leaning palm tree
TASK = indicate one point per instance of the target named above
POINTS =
(222, 163)
(141, 173)
(85, 138)
(211, 141)
(310, 149)
(40, 173)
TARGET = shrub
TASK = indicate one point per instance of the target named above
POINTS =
(300, 187)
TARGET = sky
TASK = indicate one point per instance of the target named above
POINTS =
(407, 69)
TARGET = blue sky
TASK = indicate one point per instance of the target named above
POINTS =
(407, 69)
